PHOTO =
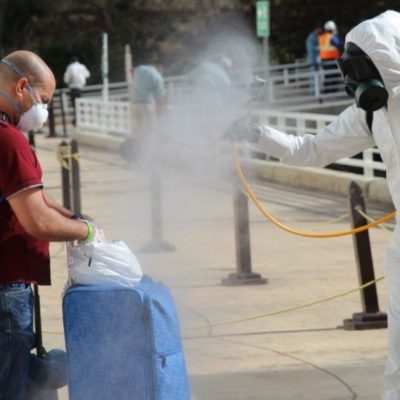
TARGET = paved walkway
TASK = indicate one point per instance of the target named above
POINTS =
(304, 354)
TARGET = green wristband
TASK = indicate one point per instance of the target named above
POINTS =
(90, 233)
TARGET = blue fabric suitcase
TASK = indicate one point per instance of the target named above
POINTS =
(124, 343)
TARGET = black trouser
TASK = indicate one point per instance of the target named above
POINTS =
(74, 94)
(330, 79)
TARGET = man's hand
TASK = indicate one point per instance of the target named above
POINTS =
(242, 130)
(95, 233)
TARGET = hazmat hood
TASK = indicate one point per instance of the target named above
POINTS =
(379, 37)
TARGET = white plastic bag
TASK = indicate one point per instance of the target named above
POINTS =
(109, 262)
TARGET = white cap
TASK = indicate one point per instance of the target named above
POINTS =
(330, 26)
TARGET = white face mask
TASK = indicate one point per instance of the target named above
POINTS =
(34, 118)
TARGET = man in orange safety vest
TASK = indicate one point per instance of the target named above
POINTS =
(330, 46)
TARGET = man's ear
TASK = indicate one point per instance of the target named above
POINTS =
(21, 86)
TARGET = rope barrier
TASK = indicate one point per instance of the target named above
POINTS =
(62, 156)
(285, 310)
(271, 218)
(368, 218)
(210, 325)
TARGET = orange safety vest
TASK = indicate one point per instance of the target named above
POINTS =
(326, 50)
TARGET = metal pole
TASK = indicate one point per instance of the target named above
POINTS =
(156, 244)
(244, 274)
(128, 68)
(128, 77)
(40, 351)
(104, 66)
(52, 130)
(31, 139)
(64, 124)
(76, 180)
(370, 317)
(64, 151)
(156, 221)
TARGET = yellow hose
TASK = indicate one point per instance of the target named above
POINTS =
(270, 217)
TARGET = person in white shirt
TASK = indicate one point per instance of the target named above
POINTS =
(75, 77)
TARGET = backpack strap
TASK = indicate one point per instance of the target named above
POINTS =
(369, 118)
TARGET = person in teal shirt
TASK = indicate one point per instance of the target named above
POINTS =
(148, 85)
(147, 99)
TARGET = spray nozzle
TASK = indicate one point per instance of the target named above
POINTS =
(256, 88)
(260, 80)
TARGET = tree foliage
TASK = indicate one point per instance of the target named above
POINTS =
(181, 30)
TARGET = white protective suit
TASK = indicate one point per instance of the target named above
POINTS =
(348, 135)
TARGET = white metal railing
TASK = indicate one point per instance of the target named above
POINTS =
(105, 118)
(287, 84)
(301, 123)
(114, 118)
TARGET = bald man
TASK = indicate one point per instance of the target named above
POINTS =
(29, 218)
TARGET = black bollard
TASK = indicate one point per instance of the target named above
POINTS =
(370, 317)
(76, 180)
(31, 139)
(244, 274)
(156, 244)
(40, 351)
(64, 122)
(52, 129)
(64, 157)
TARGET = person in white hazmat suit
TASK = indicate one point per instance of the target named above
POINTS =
(370, 66)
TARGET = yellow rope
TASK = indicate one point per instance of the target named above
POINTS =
(368, 218)
(286, 310)
(269, 216)
(270, 314)
(63, 155)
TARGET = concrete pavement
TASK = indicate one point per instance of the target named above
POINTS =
(304, 354)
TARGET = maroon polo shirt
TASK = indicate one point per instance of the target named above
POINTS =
(22, 257)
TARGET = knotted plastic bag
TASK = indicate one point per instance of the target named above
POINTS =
(97, 263)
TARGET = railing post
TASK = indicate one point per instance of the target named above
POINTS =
(317, 84)
(243, 274)
(285, 77)
(370, 317)
(270, 85)
(76, 180)
(64, 158)
(368, 159)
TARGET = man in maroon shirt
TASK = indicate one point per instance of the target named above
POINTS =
(29, 219)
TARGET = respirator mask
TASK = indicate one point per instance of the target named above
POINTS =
(37, 115)
(362, 79)
(34, 118)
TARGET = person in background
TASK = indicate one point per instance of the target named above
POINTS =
(75, 77)
(312, 49)
(370, 66)
(147, 98)
(212, 83)
(330, 49)
(30, 219)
